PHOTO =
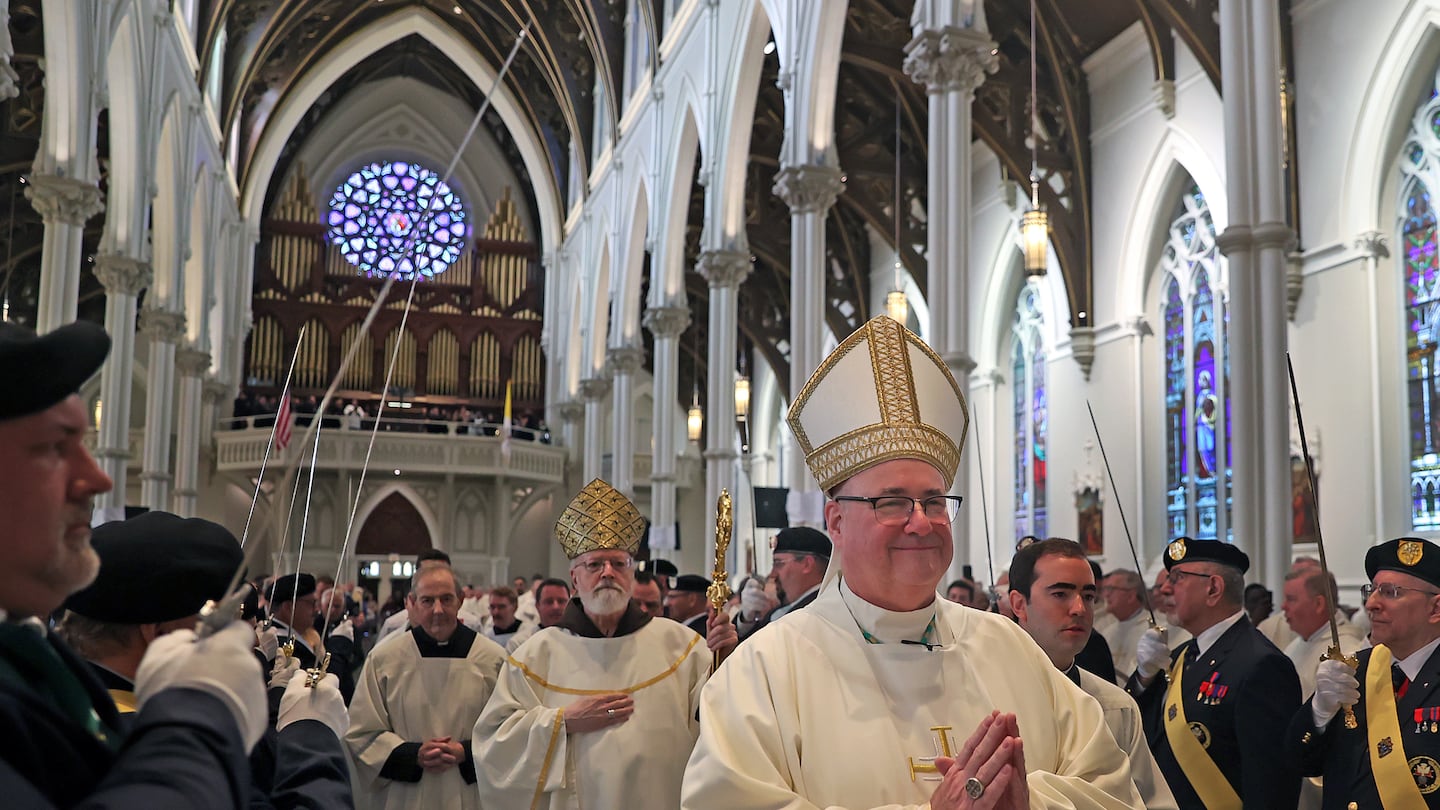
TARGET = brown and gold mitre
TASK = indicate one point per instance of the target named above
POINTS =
(599, 517)
(881, 395)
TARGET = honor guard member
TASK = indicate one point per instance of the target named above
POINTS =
(799, 558)
(293, 608)
(686, 602)
(879, 693)
(1216, 709)
(156, 571)
(201, 703)
(1390, 758)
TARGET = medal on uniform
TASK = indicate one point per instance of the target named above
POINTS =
(1425, 771)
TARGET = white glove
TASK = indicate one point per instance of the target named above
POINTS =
(267, 641)
(753, 604)
(1335, 686)
(1151, 653)
(221, 665)
(284, 669)
(322, 702)
(344, 629)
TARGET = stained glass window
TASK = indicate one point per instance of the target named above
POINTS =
(397, 219)
(1030, 412)
(1420, 159)
(1198, 479)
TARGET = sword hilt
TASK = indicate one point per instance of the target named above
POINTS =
(1335, 654)
(314, 674)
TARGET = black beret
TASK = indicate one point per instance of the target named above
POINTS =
(40, 371)
(1408, 555)
(1188, 549)
(284, 589)
(802, 540)
(662, 568)
(690, 583)
(157, 567)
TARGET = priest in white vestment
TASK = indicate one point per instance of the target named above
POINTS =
(880, 694)
(1127, 618)
(416, 703)
(1052, 592)
(599, 710)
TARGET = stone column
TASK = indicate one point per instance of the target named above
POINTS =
(1374, 246)
(593, 391)
(725, 271)
(218, 399)
(623, 362)
(65, 204)
(951, 61)
(123, 278)
(9, 79)
(810, 191)
(1256, 244)
(192, 365)
(572, 415)
(666, 323)
(165, 330)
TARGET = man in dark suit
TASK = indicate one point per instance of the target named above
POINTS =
(201, 703)
(686, 602)
(1216, 710)
(1391, 758)
(293, 608)
(799, 558)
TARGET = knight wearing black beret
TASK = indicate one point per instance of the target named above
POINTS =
(1390, 756)
(293, 608)
(799, 556)
(156, 571)
(685, 603)
(1215, 708)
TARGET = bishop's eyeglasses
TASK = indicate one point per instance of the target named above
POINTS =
(895, 510)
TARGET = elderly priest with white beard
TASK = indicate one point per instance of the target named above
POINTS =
(598, 710)
(880, 693)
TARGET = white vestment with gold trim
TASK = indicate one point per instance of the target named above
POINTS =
(525, 758)
(807, 714)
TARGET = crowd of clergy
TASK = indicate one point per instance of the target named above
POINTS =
(139, 669)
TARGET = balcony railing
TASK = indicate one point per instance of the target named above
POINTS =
(412, 446)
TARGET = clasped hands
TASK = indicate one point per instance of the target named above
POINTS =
(995, 757)
(440, 754)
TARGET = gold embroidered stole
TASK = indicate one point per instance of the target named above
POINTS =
(1204, 775)
(1393, 780)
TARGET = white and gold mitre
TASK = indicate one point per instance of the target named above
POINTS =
(599, 517)
(882, 394)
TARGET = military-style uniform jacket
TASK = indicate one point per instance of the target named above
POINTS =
(1342, 755)
(1239, 698)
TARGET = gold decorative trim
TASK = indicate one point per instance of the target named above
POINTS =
(555, 730)
(887, 351)
(862, 449)
(629, 690)
(599, 517)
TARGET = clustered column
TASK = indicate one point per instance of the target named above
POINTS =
(593, 391)
(165, 330)
(667, 324)
(951, 61)
(725, 271)
(623, 362)
(192, 365)
(64, 204)
(810, 191)
(123, 278)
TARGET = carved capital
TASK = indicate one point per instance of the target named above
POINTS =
(667, 322)
(808, 189)
(1270, 235)
(624, 359)
(571, 411)
(1294, 285)
(122, 275)
(214, 392)
(723, 268)
(1082, 346)
(64, 199)
(594, 389)
(192, 362)
(960, 363)
(163, 325)
(1373, 245)
(950, 59)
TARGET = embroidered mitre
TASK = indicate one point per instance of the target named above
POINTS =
(600, 517)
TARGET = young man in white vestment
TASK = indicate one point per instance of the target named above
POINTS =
(417, 701)
(880, 694)
(599, 710)
(1052, 592)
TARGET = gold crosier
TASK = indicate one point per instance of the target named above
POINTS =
(719, 591)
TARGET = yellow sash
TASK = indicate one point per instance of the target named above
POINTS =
(1205, 777)
(125, 701)
(1393, 780)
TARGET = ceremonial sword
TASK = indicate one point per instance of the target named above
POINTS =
(1134, 555)
(1334, 653)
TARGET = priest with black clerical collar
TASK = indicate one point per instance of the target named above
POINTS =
(608, 694)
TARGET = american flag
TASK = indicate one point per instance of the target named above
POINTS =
(282, 424)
